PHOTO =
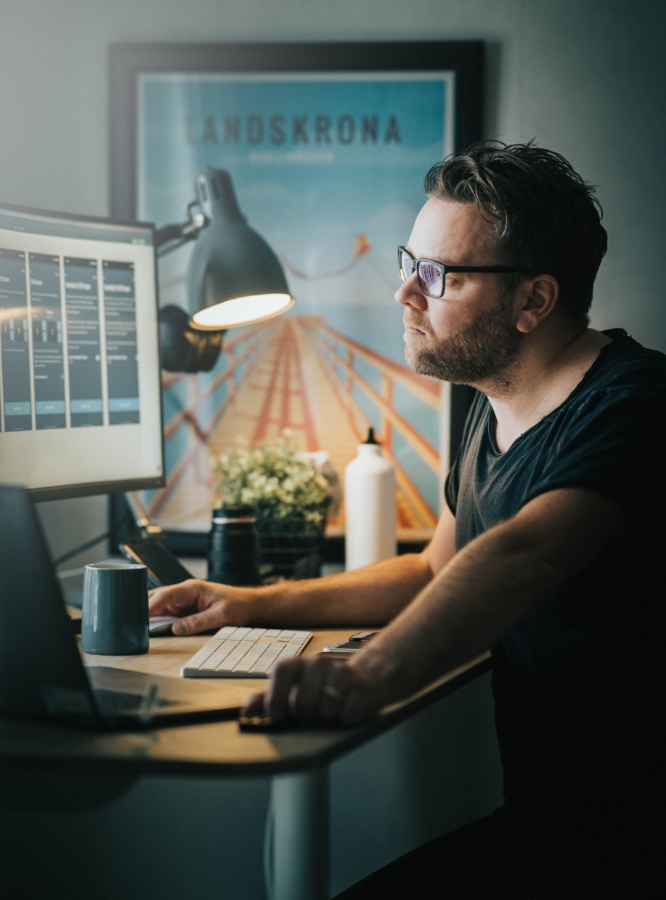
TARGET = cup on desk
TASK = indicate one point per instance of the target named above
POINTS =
(115, 609)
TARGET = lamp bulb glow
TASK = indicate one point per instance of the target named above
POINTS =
(242, 311)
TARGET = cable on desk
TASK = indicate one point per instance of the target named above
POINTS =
(75, 552)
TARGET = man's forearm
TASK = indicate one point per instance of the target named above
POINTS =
(462, 611)
(497, 581)
(373, 595)
(484, 591)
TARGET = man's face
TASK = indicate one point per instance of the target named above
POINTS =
(467, 336)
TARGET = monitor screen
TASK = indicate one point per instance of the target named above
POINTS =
(80, 400)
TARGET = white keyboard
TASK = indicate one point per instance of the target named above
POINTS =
(244, 652)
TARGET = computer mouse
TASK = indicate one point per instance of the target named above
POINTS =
(160, 626)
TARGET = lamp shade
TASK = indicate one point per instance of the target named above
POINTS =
(234, 278)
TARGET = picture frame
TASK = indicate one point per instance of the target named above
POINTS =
(458, 64)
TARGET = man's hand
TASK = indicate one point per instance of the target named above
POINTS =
(202, 604)
(321, 691)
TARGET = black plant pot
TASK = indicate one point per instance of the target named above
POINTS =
(291, 556)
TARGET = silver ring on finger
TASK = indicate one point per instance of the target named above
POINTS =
(331, 691)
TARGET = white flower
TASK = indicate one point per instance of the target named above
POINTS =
(272, 477)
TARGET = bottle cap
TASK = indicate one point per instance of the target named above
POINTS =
(371, 437)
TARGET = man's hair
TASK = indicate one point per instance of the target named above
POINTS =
(546, 217)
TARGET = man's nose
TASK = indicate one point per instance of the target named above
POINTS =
(409, 294)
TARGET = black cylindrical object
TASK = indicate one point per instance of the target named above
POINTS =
(233, 549)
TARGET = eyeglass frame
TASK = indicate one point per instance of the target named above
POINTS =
(444, 268)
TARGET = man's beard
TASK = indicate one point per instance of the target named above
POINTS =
(485, 349)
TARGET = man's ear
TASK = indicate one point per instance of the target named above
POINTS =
(538, 298)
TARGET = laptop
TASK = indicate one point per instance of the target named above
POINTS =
(42, 675)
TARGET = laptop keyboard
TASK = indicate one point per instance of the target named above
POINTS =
(245, 652)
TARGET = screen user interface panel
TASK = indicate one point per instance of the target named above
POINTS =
(79, 353)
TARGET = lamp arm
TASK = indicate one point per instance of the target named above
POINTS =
(173, 236)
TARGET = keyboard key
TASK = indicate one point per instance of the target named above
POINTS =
(236, 655)
(249, 661)
(201, 656)
(214, 661)
(266, 663)
(225, 632)
(263, 666)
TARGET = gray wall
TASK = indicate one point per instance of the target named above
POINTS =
(585, 77)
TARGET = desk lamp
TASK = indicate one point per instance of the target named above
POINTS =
(233, 278)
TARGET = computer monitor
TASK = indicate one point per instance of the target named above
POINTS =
(80, 396)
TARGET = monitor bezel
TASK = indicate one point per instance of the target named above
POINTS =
(94, 488)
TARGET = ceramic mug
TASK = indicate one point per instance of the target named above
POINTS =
(115, 609)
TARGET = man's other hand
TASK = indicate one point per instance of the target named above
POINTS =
(201, 605)
(319, 691)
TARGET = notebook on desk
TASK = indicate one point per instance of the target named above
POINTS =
(42, 675)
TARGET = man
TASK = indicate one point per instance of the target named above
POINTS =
(547, 552)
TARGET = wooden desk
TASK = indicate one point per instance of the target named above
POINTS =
(297, 760)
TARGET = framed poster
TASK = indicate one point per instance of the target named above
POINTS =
(327, 146)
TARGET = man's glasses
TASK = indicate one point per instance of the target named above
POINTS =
(432, 274)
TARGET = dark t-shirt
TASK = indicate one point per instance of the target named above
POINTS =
(577, 686)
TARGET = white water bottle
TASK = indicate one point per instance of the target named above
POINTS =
(370, 513)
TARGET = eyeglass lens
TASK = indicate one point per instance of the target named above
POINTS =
(431, 277)
(406, 265)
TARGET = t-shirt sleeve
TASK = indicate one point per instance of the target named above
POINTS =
(614, 445)
(452, 482)
(452, 485)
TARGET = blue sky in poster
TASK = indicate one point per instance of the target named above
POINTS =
(315, 163)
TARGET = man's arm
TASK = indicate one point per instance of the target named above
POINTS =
(372, 595)
(495, 582)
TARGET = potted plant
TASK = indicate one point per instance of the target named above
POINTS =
(290, 498)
